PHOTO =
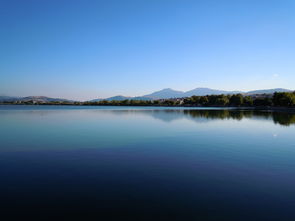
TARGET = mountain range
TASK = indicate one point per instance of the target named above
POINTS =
(162, 94)
(33, 98)
(170, 93)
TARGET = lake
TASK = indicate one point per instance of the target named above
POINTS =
(146, 163)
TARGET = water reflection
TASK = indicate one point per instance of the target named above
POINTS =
(159, 113)
(281, 118)
(285, 119)
(156, 163)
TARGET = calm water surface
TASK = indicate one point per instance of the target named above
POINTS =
(136, 163)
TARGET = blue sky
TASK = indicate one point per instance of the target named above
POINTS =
(87, 49)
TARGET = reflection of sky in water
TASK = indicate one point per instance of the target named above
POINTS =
(55, 127)
(125, 159)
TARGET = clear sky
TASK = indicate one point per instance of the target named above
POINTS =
(82, 49)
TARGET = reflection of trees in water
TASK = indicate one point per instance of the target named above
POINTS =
(215, 114)
(169, 115)
(285, 119)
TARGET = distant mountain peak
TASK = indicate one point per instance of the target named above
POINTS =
(33, 98)
(168, 89)
(165, 93)
(268, 91)
(118, 98)
(202, 91)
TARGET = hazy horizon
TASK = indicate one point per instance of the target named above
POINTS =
(83, 50)
(137, 94)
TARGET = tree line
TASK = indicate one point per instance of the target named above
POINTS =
(278, 99)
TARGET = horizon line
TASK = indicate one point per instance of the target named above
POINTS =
(118, 95)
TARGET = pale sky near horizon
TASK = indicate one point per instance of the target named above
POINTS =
(85, 49)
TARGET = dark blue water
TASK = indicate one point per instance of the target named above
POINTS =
(125, 163)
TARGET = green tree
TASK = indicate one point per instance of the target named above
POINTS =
(284, 99)
(264, 101)
(204, 100)
(248, 101)
(236, 100)
(222, 100)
